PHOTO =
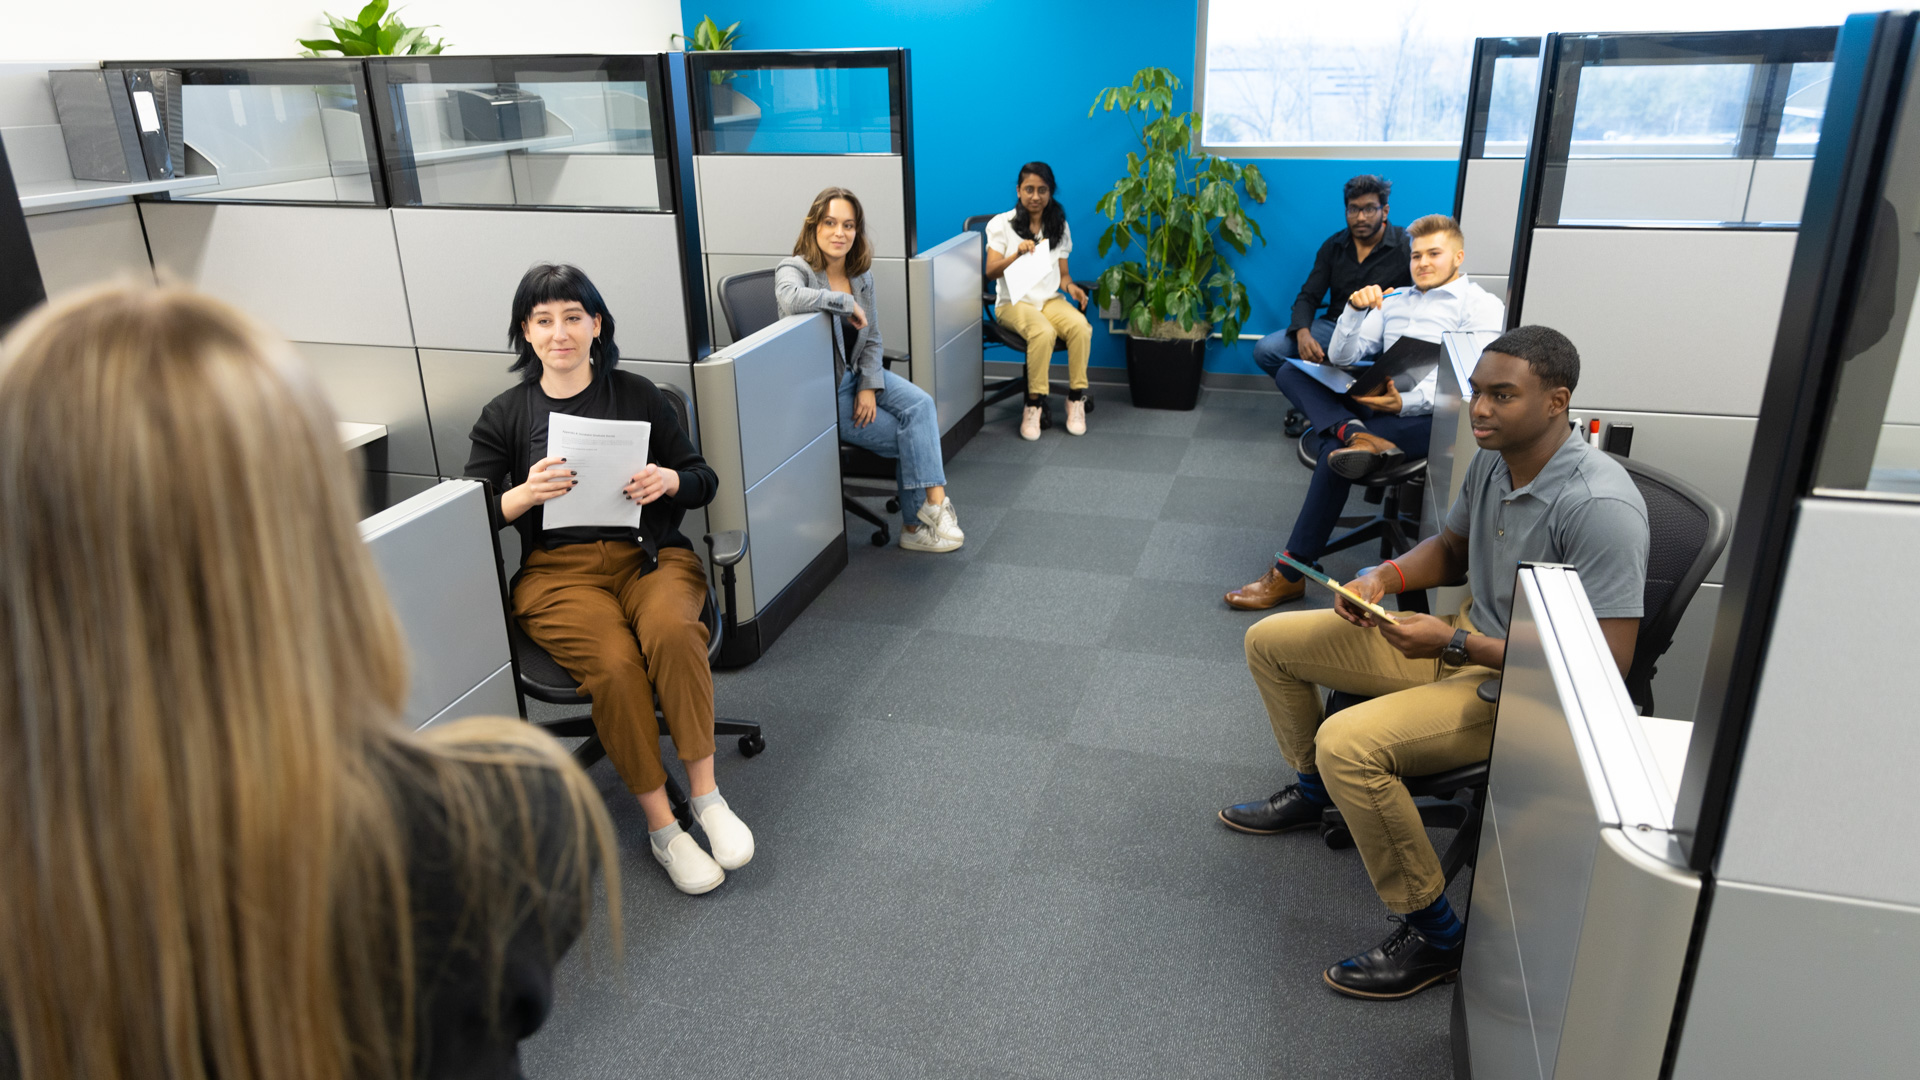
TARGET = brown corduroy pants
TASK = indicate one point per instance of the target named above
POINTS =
(627, 636)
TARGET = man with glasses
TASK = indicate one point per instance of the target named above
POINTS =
(1370, 251)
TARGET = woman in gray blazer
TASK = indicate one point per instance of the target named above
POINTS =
(879, 411)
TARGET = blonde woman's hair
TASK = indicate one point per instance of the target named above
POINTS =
(203, 777)
(859, 256)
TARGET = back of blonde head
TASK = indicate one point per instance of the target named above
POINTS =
(201, 870)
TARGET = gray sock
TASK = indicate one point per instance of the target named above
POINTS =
(711, 798)
(664, 835)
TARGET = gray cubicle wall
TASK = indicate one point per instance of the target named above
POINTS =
(1822, 890)
(437, 560)
(944, 294)
(779, 474)
(1582, 903)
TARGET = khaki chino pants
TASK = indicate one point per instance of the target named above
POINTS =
(1044, 325)
(627, 636)
(1424, 717)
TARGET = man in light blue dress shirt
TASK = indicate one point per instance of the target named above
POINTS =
(1359, 436)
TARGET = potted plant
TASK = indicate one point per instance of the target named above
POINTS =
(1179, 207)
(732, 110)
(368, 34)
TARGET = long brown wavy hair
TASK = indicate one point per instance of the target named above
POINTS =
(859, 256)
(203, 776)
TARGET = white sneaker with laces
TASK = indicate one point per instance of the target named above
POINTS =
(1077, 417)
(693, 870)
(1030, 423)
(730, 838)
(944, 520)
(926, 538)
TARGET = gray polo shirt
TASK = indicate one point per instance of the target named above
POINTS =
(1583, 511)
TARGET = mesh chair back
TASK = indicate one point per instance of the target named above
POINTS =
(977, 223)
(747, 303)
(1686, 533)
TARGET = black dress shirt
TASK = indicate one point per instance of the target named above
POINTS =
(1335, 268)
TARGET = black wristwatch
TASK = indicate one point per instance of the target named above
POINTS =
(1455, 654)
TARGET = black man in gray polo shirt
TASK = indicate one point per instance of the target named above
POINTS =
(1535, 492)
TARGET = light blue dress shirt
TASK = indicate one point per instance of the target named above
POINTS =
(1363, 333)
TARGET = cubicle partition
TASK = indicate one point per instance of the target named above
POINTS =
(772, 130)
(1502, 98)
(1661, 247)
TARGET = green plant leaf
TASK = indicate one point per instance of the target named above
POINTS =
(319, 45)
(403, 46)
(369, 16)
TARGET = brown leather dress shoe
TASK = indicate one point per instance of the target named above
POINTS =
(1364, 455)
(1270, 591)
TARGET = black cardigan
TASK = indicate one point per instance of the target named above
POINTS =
(503, 454)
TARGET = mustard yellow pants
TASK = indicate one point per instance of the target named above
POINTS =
(1042, 326)
(1424, 717)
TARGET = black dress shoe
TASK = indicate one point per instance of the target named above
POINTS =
(1401, 966)
(1284, 811)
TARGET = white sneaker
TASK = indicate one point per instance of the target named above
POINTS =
(944, 520)
(1030, 423)
(926, 538)
(731, 840)
(693, 870)
(1076, 416)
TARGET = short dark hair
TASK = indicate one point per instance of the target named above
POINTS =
(1549, 355)
(544, 284)
(1369, 184)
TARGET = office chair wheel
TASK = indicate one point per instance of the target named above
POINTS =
(1336, 837)
(893, 506)
(1295, 424)
(881, 536)
(751, 745)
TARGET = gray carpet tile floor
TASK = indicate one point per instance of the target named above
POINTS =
(985, 815)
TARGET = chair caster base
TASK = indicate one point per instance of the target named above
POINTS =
(1336, 837)
(880, 537)
(751, 745)
(1295, 424)
(893, 506)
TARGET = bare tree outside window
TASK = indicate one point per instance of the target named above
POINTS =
(1281, 73)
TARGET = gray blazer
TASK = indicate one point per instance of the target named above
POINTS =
(798, 288)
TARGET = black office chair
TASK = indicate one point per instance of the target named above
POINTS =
(1397, 490)
(748, 305)
(995, 334)
(541, 678)
(1687, 532)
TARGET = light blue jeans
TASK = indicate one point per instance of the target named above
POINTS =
(905, 427)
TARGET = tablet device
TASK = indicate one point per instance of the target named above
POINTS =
(1353, 598)
(1408, 357)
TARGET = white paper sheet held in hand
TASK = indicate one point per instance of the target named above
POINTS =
(1030, 270)
(605, 454)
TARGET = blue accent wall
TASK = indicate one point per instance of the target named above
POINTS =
(997, 83)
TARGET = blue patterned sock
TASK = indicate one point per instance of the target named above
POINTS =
(1314, 790)
(1438, 924)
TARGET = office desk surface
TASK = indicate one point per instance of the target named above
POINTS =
(352, 435)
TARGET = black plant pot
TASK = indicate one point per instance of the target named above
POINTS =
(1164, 374)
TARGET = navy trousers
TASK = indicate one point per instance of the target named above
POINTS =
(1327, 492)
(1272, 351)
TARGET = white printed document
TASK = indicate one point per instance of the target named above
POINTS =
(1027, 272)
(605, 454)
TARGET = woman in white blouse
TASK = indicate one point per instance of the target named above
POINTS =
(1038, 224)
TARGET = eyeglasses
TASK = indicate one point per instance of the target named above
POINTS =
(1364, 211)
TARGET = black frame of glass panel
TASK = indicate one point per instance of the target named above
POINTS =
(386, 79)
(898, 63)
(1473, 142)
(1771, 51)
(679, 144)
(21, 288)
(280, 71)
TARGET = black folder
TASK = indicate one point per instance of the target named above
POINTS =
(1406, 363)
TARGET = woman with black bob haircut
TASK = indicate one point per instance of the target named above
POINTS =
(617, 607)
(1040, 315)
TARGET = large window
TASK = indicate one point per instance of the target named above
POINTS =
(1288, 77)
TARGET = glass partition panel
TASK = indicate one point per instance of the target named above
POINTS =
(1702, 130)
(1516, 86)
(285, 131)
(799, 102)
(549, 132)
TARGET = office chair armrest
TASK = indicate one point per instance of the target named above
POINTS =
(727, 548)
